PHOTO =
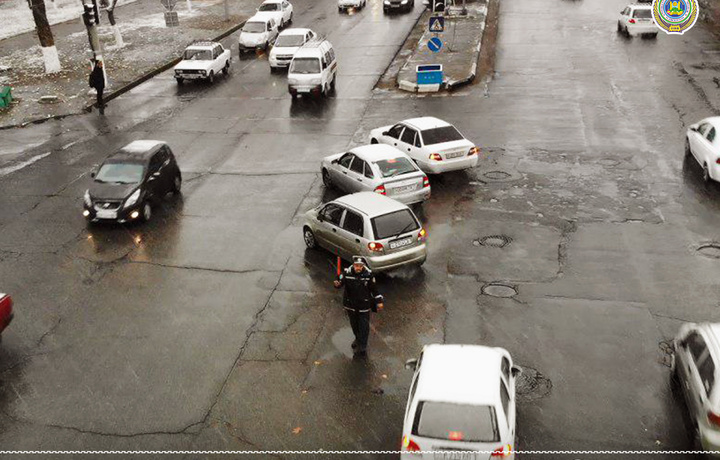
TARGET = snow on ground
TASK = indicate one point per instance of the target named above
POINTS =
(16, 17)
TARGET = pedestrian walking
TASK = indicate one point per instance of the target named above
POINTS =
(97, 81)
(359, 299)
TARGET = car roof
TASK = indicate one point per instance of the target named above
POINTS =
(463, 374)
(371, 204)
(272, 1)
(376, 152)
(715, 121)
(641, 6)
(423, 123)
(202, 44)
(261, 17)
(138, 150)
(295, 31)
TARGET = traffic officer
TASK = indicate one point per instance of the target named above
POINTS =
(359, 299)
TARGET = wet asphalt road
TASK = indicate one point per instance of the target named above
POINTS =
(213, 328)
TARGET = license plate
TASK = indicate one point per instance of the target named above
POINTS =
(400, 243)
(105, 214)
(303, 90)
(407, 188)
(454, 155)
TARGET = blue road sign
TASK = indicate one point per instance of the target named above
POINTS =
(435, 44)
(437, 24)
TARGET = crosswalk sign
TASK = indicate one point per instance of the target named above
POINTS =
(437, 24)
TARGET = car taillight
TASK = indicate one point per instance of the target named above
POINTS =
(422, 235)
(474, 151)
(713, 418)
(6, 304)
(435, 156)
(632, 21)
(502, 451)
(375, 247)
(717, 161)
(409, 445)
(380, 189)
(426, 181)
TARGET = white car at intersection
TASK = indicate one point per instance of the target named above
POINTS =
(202, 60)
(286, 44)
(703, 143)
(435, 145)
(280, 10)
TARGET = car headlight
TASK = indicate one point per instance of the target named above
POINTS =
(178, 71)
(86, 198)
(292, 81)
(404, 2)
(386, 2)
(132, 199)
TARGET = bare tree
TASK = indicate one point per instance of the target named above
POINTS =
(47, 42)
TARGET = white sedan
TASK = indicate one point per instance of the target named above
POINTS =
(462, 398)
(703, 144)
(280, 10)
(435, 145)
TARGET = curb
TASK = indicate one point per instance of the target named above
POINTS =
(122, 90)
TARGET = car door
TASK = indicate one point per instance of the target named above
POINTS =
(410, 143)
(329, 219)
(695, 351)
(154, 176)
(356, 175)
(339, 172)
(708, 146)
(695, 139)
(392, 135)
(351, 234)
(507, 395)
(413, 388)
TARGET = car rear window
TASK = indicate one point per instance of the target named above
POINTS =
(440, 135)
(643, 14)
(394, 224)
(395, 167)
(456, 422)
(305, 65)
(269, 7)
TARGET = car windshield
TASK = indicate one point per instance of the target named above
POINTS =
(254, 27)
(456, 422)
(290, 40)
(643, 14)
(120, 173)
(440, 135)
(198, 55)
(269, 7)
(305, 65)
(395, 167)
(394, 224)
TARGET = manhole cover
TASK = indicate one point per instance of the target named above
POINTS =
(531, 385)
(499, 290)
(493, 241)
(497, 175)
(609, 162)
(711, 250)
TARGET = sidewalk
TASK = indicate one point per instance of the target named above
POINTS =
(461, 47)
(148, 46)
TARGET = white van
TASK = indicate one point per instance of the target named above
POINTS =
(313, 69)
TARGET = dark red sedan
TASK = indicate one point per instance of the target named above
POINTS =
(6, 311)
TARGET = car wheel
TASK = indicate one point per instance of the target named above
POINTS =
(147, 212)
(326, 91)
(309, 238)
(653, 35)
(272, 69)
(340, 10)
(619, 27)
(373, 141)
(290, 20)
(211, 78)
(327, 180)
(293, 96)
(332, 85)
(179, 81)
(177, 184)
(226, 69)
(706, 173)
(687, 147)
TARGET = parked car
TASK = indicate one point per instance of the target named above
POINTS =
(313, 69)
(281, 11)
(286, 44)
(6, 311)
(130, 181)
(637, 19)
(203, 60)
(393, 6)
(703, 144)
(258, 33)
(377, 168)
(694, 371)
(434, 144)
(383, 230)
(462, 398)
(345, 5)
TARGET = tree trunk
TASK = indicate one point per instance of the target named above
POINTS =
(47, 43)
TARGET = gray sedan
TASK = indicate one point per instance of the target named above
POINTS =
(377, 168)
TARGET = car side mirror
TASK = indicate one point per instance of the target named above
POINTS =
(320, 218)
(385, 133)
(411, 364)
(694, 128)
(92, 174)
(515, 371)
(334, 162)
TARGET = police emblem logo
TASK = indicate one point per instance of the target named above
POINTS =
(675, 16)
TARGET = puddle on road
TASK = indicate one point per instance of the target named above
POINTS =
(531, 385)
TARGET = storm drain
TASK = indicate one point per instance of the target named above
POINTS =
(493, 241)
(531, 385)
(497, 175)
(499, 290)
(711, 250)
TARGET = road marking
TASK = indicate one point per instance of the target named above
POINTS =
(19, 166)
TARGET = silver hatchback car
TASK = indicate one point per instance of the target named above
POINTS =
(377, 168)
(383, 230)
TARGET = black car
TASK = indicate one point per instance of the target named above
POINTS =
(391, 6)
(130, 180)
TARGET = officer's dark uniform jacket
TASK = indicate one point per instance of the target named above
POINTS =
(360, 294)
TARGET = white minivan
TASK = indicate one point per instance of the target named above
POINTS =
(313, 69)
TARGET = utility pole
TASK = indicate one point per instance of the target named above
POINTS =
(110, 8)
(47, 42)
(227, 11)
(91, 18)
